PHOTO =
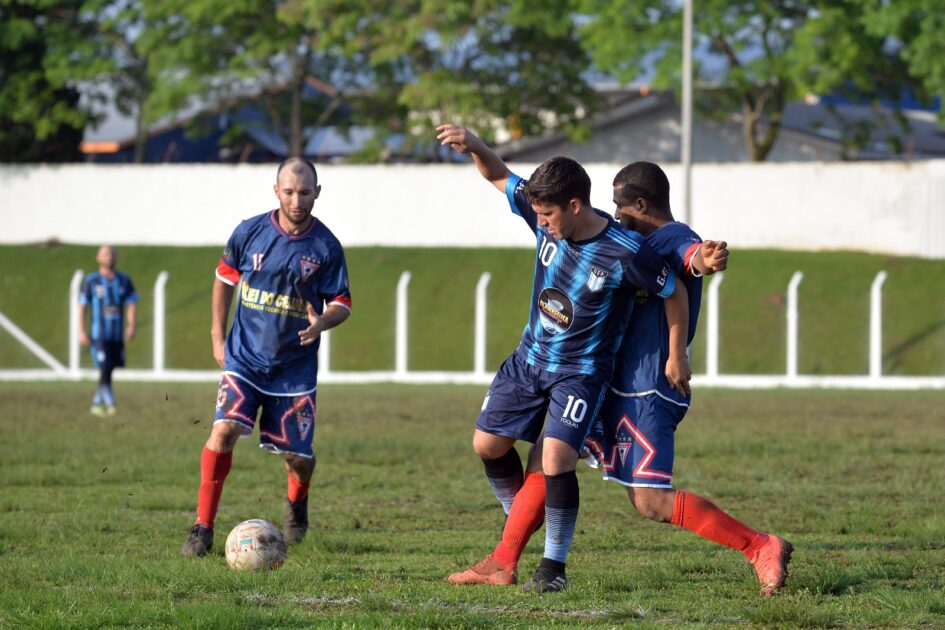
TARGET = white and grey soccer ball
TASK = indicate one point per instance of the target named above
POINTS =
(255, 545)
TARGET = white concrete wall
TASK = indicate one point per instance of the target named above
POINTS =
(895, 208)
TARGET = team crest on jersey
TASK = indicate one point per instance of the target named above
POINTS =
(309, 266)
(624, 443)
(596, 279)
(100, 292)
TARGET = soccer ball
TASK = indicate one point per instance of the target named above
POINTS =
(255, 545)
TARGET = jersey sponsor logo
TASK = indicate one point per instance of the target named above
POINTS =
(257, 261)
(260, 300)
(596, 279)
(556, 310)
(309, 266)
(642, 296)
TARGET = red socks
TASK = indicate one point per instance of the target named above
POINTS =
(706, 519)
(526, 515)
(214, 468)
(297, 490)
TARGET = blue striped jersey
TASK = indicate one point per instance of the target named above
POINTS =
(641, 359)
(582, 292)
(107, 298)
(278, 275)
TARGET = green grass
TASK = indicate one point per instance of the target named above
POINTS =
(93, 512)
(834, 308)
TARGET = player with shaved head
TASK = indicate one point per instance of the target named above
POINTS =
(293, 283)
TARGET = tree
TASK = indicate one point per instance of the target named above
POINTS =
(493, 65)
(40, 117)
(768, 51)
(914, 29)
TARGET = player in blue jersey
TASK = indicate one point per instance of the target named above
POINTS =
(109, 297)
(587, 270)
(633, 441)
(293, 285)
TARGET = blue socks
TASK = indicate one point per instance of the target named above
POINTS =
(562, 499)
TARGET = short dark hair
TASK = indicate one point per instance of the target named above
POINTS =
(642, 179)
(559, 180)
(297, 162)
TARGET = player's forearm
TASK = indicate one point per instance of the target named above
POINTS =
(82, 311)
(490, 165)
(131, 314)
(334, 315)
(220, 308)
(677, 319)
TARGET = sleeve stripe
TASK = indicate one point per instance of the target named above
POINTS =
(342, 301)
(687, 260)
(227, 274)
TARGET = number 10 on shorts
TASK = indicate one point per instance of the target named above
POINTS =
(575, 410)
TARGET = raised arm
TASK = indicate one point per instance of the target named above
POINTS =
(220, 311)
(490, 165)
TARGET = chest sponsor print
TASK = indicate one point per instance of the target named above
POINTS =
(556, 310)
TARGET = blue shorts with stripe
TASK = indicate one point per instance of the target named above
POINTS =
(521, 395)
(633, 442)
(286, 424)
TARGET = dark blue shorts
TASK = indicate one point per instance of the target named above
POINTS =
(108, 354)
(286, 424)
(521, 395)
(633, 443)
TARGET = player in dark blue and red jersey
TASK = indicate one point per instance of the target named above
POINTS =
(587, 270)
(633, 441)
(293, 286)
(109, 297)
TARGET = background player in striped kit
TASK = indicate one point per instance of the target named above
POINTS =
(633, 441)
(294, 286)
(587, 269)
(110, 298)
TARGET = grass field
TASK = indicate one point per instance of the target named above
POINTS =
(93, 512)
(834, 303)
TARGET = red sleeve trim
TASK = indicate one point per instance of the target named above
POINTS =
(341, 300)
(227, 274)
(687, 259)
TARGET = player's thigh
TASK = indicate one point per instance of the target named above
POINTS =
(238, 404)
(515, 405)
(287, 424)
(635, 440)
(575, 402)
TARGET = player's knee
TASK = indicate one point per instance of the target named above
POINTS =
(654, 506)
(489, 447)
(301, 467)
(223, 436)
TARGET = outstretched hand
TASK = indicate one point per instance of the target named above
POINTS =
(715, 255)
(315, 328)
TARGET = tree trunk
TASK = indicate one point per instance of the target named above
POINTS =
(141, 134)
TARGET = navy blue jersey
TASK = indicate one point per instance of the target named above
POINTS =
(107, 298)
(641, 359)
(280, 274)
(582, 292)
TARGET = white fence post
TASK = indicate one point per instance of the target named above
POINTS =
(159, 321)
(712, 327)
(324, 353)
(876, 325)
(400, 339)
(479, 348)
(74, 322)
(792, 323)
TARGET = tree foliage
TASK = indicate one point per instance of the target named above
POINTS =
(768, 52)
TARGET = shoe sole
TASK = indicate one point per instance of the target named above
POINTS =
(462, 579)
